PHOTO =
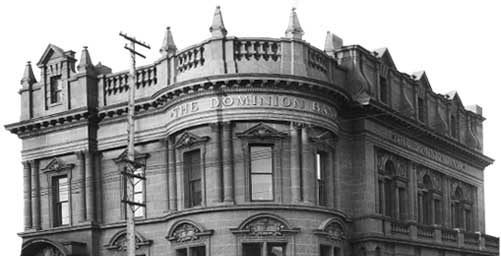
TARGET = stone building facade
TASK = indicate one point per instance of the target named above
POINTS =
(251, 146)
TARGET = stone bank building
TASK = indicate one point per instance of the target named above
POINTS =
(251, 147)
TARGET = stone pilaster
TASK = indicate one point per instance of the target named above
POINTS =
(27, 195)
(35, 194)
(308, 170)
(172, 175)
(215, 166)
(165, 182)
(90, 182)
(295, 164)
(81, 186)
(228, 163)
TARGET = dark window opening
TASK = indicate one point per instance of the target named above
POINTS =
(383, 90)
(421, 109)
(454, 132)
(56, 87)
(61, 201)
(192, 171)
(264, 249)
(321, 166)
(261, 173)
(325, 250)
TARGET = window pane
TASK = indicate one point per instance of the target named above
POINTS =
(262, 187)
(63, 189)
(253, 249)
(276, 249)
(139, 212)
(197, 251)
(261, 159)
(196, 192)
(65, 214)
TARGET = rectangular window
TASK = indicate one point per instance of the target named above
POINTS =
(56, 87)
(61, 201)
(321, 165)
(438, 212)
(261, 173)
(139, 192)
(421, 109)
(383, 90)
(182, 252)
(468, 220)
(402, 210)
(192, 170)
(388, 198)
(262, 249)
(325, 250)
(381, 196)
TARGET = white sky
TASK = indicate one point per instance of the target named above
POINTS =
(456, 42)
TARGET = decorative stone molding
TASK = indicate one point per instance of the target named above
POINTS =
(261, 131)
(264, 225)
(436, 178)
(326, 138)
(139, 157)
(187, 230)
(118, 241)
(56, 165)
(188, 139)
(333, 229)
(401, 165)
(466, 189)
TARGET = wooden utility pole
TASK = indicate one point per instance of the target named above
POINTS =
(130, 173)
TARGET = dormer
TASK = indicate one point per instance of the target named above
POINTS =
(56, 67)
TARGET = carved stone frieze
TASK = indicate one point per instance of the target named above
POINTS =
(265, 227)
(335, 231)
(119, 241)
(461, 191)
(401, 165)
(186, 231)
(435, 177)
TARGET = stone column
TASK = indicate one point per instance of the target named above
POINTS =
(81, 186)
(295, 164)
(228, 162)
(413, 193)
(35, 194)
(396, 201)
(308, 172)
(90, 182)
(215, 166)
(166, 176)
(27, 195)
(172, 174)
(447, 203)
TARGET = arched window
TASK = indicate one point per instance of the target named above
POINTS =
(388, 189)
(457, 209)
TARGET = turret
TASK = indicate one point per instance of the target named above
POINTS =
(168, 46)
(26, 92)
(217, 28)
(294, 30)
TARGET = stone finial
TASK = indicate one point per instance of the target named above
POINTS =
(217, 28)
(85, 63)
(332, 43)
(294, 30)
(28, 76)
(168, 45)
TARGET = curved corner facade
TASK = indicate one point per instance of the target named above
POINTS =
(251, 146)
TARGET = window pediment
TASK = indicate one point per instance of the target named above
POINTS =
(186, 230)
(188, 139)
(56, 165)
(262, 131)
(264, 225)
(119, 241)
(122, 158)
(333, 229)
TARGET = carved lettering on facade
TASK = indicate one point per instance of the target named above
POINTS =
(419, 148)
